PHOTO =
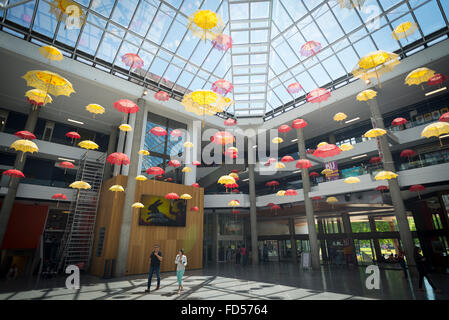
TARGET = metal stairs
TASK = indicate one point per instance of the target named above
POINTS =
(77, 242)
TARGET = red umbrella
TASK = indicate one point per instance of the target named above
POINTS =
(407, 153)
(436, 79)
(155, 171)
(310, 151)
(195, 185)
(126, 106)
(317, 198)
(270, 204)
(235, 211)
(270, 161)
(222, 42)
(235, 171)
(174, 163)
(132, 60)
(291, 192)
(195, 208)
(231, 185)
(59, 196)
(284, 128)
(398, 121)
(382, 188)
(169, 179)
(417, 188)
(287, 159)
(196, 163)
(14, 173)
(222, 138)
(66, 165)
(327, 150)
(299, 123)
(25, 135)
(118, 158)
(303, 164)
(275, 207)
(158, 131)
(171, 196)
(318, 95)
(444, 117)
(294, 87)
(162, 96)
(273, 183)
(310, 48)
(159, 177)
(176, 133)
(235, 191)
(230, 122)
(314, 174)
(375, 160)
(222, 87)
(73, 135)
(231, 153)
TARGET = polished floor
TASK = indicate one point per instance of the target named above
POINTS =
(235, 282)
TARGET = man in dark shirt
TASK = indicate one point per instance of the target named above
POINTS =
(155, 265)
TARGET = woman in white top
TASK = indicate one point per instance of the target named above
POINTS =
(181, 262)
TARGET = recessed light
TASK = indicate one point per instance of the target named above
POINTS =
(255, 146)
(65, 159)
(294, 140)
(297, 171)
(361, 156)
(436, 91)
(445, 136)
(71, 120)
(245, 180)
(352, 120)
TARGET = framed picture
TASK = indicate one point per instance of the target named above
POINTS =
(419, 119)
(428, 116)
(436, 114)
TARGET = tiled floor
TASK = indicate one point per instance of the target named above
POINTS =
(234, 282)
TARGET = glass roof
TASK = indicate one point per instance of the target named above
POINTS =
(267, 37)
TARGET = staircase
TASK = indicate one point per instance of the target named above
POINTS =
(77, 242)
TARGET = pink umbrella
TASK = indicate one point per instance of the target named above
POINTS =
(444, 117)
(318, 95)
(303, 164)
(284, 128)
(222, 42)
(287, 159)
(222, 87)
(299, 123)
(158, 131)
(291, 192)
(161, 96)
(294, 87)
(174, 163)
(126, 106)
(176, 133)
(310, 48)
(230, 122)
(13, 173)
(132, 60)
(398, 121)
(196, 163)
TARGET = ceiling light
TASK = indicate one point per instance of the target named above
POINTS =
(367, 81)
(297, 171)
(64, 159)
(445, 136)
(361, 156)
(352, 120)
(245, 180)
(71, 120)
(255, 146)
(436, 91)
(145, 92)
(294, 140)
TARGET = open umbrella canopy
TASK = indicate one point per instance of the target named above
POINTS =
(280, 193)
(89, 145)
(444, 117)
(118, 158)
(226, 180)
(222, 42)
(385, 175)
(279, 165)
(318, 95)
(161, 96)
(144, 152)
(125, 127)
(174, 163)
(95, 108)
(59, 196)
(417, 187)
(382, 188)
(195, 208)
(366, 95)
(205, 24)
(232, 185)
(66, 165)
(25, 135)
(273, 183)
(340, 116)
(303, 164)
(376, 132)
(155, 171)
(233, 203)
(80, 185)
(287, 159)
(158, 131)
(14, 173)
(436, 79)
(138, 205)
(435, 129)
(230, 122)
(196, 163)
(375, 160)
(419, 76)
(346, 147)
(317, 198)
(291, 192)
(141, 177)
(331, 200)
(398, 121)
(195, 185)
(172, 196)
(51, 53)
(310, 48)
(222, 138)
(185, 196)
(222, 87)
(24, 146)
(186, 169)
(294, 87)
(38, 97)
(188, 144)
(327, 171)
(275, 207)
(132, 60)
(117, 188)
(299, 123)
(73, 135)
(351, 180)
(284, 128)
(404, 30)
(49, 82)
(277, 140)
(314, 174)
(406, 153)
(327, 150)
(176, 133)
(126, 106)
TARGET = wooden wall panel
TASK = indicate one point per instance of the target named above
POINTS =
(143, 238)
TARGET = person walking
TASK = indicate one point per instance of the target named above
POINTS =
(229, 254)
(265, 253)
(423, 270)
(237, 255)
(155, 266)
(181, 263)
(244, 256)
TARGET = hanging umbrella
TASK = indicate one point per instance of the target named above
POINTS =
(280, 165)
(291, 192)
(316, 199)
(231, 186)
(352, 180)
(89, 145)
(222, 87)
(407, 153)
(13, 173)
(66, 10)
(25, 135)
(382, 188)
(176, 133)
(59, 196)
(318, 95)
(205, 24)
(66, 165)
(374, 64)
(327, 171)
(314, 174)
(222, 138)
(126, 106)
(158, 131)
(222, 42)
(418, 76)
(138, 205)
(73, 135)
(125, 127)
(436, 129)
(233, 203)
(174, 163)
(116, 188)
(143, 152)
(444, 117)
(196, 163)
(303, 164)
(436, 79)
(226, 180)
(95, 109)
(385, 175)
(299, 124)
(79, 185)
(284, 128)
(230, 122)
(277, 140)
(195, 208)
(287, 159)
(404, 30)
(294, 87)
(280, 193)
(331, 201)
(155, 171)
(346, 147)
(24, 146)
(162, 96)
(310, 151)
(188, 144)
(234, 175)
(49, 82)
(327, 150)
(195, 185)
(141, 178)
(417, 188)
(185, 196)
(310, 48)
(171, 196)
(376, 132)
(270, 161)
(275, 207)
(186, 169)
(132, 60)
(366, 95)
(204, 102)
(51, 53)
(340, 117)
(273, 184)
(375, 160)
(231, 152)
(118, 158)
(38, 98)
(398, 121)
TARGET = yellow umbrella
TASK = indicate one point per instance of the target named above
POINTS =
(24, 146)
(51, 53)
(79, 185)
(234, 203)
(188, 144)
(138, 205)
(186, 169)
(385, 175)
(374, 64)
(346, 147)
(366, 95)
(205, 24)
(70, 12)
(376, 132)
(234, 175)
(185, 196)
(436, 129)
(404, 30)
(419, 76)
(95, 109)
(226, 180)
(280, 193)
(144, 152)
(277, 140)
(49, 82)
(280, 165)
(340, 116)
(326, 171)
(321, 144)
(331, 201)
(141, 178)
(352, 180)
(203, 102)
(89, 145)
(117, 188)
(125, 127)
(38, 97)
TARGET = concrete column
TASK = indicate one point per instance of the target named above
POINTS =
(120, 147)
(193, 154)
(322, 229)
(142, 143)
(253, 212)
(377, 249)
(19, 163)
(111, 148)
(215, 231)
(129, 139)
(125, 229)
(313, 239)
(395, 191)
(291, 226)
(348, 230)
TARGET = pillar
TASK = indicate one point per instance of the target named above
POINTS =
(322, 230)
(348, 230)
(253, 213)
(129, 139)
(393, 184)
(291, 226)
(111, 148)
(19, 163)
(125, 229)
(313, 239)
(120, 146)
(193, 154)
(142, 142)
(377, 249)
(215, 231)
